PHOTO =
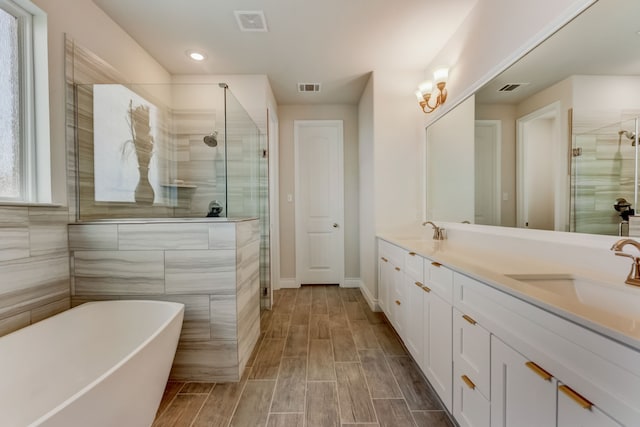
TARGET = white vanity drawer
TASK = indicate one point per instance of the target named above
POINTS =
(470, 407)
(414, 266)
(392, 253)
(472, 350)
(439, 278)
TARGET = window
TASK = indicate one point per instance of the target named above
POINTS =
(24, 141)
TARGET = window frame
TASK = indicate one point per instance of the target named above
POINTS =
(34, 137)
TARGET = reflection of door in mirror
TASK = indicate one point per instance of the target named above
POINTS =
(450, 165)
(538, 136)
(487, 171)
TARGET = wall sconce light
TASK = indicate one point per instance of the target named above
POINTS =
(425, 91)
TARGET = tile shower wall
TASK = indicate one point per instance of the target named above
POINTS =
(212, 268)
(34, 267)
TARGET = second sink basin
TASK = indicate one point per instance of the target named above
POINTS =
(616, 300)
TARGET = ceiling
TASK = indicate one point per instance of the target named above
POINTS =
(337, 43)
(603, 40)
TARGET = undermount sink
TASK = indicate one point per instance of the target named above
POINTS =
(616, 300)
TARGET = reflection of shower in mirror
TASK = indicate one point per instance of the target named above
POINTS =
(629, 135)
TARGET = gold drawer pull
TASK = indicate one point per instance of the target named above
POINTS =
(469, 319)
(436, 264)
(398, 302)
(412, 253)
(397, 268)
(468, 382)
(384, 259)
(575, 397)
(426, 289)
(418, 284)
(538, 370)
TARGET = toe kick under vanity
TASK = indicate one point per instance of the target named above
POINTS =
(509, 342)
(210, 265)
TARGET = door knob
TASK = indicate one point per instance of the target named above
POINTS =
(335, 225)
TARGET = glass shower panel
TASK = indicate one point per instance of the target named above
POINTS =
(602, 176)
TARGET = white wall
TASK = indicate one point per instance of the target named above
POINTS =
(88, 25)
(349, 115)
(493, 36)
(368, 251)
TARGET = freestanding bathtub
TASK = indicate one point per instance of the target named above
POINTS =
(99, 364)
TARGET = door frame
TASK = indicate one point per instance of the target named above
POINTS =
(297, 124)
(549, 111)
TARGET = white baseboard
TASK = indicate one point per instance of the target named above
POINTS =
(373, 302)
(351, 282)
(287, 283)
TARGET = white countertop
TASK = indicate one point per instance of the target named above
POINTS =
(607, 307)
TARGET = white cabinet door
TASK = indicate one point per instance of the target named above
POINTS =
(522, 394)
(413, 321)
(575, 411)
(470, 407)
(384, 279)
(438, 358)
(471, 351)
(397, 300)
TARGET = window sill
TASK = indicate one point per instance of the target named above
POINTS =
(29, 204)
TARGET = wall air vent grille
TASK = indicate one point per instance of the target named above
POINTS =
(251, 20)
(510, 87)
(308, 87)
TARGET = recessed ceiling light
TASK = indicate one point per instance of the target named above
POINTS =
(196, 56)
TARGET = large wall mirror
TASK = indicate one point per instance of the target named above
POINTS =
(550, 143)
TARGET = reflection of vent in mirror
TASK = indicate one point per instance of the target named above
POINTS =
(510, 87)
(308, 87)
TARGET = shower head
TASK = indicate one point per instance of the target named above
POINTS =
(212, 139)
(628, 135)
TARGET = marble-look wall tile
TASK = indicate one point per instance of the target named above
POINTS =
(32, 297)
(222, 236)
(119, 272)
(200, 272)
(223, 317)
(50, 309)
(247, 232)
(14, 233)
(247, 261)
(48, 239)
(163, 236)
(14, 323)
(93, 236)
(26, 273)
(207, 359)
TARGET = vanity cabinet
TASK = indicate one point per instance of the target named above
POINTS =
(522, 393)
(437, 330)
(574, 410)
(414, 305)
(496, 359)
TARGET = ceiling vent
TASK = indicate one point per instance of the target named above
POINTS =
(510, 87)
(308, 87)
(251, 20)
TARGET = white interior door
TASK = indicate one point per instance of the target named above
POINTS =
(487, 170)
(319, 201)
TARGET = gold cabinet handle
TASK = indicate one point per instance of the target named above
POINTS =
(436, 264)
(384, 259)
(539, 371)
(468, 382)
(418, 284)
(412, 253)
(575, 397)
(469, 319)
(398, 302)
(397, 268)
(426, 288)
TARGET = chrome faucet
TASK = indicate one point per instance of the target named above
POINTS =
(633, 278)
(438, 233)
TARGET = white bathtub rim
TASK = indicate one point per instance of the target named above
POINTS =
(115, 367)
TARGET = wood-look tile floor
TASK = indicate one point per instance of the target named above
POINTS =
(324, 359)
